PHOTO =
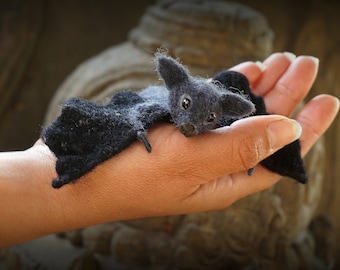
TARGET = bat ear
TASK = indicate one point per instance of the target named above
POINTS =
(170, 70)
(236, 105)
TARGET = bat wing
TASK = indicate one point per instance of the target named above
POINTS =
(287, 161)
(86, 134)
(149, 106)
(83, 136)
(144, 116)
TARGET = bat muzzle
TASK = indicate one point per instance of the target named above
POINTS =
(188, 130)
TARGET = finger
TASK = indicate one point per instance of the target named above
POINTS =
(275, 66)
(315, 119)
(211, 155)
(250, 69)
(188, 164)
(292, 87)
(226, 150)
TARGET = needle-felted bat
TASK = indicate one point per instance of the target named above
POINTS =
(86, 134)
(287, 161)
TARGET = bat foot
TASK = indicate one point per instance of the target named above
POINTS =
(250, 171)
(59, 182)
(141, 136)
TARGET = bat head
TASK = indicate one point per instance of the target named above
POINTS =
(195, 104)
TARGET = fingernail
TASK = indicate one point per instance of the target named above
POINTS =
(260, 65)
(291, 56)
(283, 132)
(314, 59)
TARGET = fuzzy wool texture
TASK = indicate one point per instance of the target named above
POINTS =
(287, 161)
(86, 134)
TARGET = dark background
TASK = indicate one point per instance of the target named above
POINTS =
(41, 42)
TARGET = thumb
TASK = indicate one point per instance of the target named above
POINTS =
(242, 145)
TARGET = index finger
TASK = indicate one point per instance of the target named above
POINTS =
(250, 69)
(292, 87)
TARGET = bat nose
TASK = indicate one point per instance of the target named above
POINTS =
(188, 129)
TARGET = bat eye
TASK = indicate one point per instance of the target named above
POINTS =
(186, 103)
(211, 117)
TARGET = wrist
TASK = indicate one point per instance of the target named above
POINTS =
(25, 205)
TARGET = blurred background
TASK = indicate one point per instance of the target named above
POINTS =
(42, 42)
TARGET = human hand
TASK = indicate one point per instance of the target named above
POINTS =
(181, 175)
(209, 171)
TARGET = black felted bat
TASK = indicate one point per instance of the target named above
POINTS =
(86, 134)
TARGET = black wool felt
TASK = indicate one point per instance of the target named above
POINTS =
(287, 161)
(86, 134)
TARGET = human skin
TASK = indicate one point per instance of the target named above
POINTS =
(181, 175)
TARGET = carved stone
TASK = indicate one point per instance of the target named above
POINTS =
(207, 36)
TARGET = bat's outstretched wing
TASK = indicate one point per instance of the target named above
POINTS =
(287, 161)
(83, 136)
(86, 134)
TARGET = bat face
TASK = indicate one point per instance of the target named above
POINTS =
(194, 107)
(195, 104)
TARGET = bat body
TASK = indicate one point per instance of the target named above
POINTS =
(86, 134)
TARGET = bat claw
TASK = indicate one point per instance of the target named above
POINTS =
(141, 136)
(250, 171)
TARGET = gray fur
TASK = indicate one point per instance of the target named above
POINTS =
(209, 101)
